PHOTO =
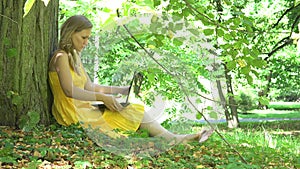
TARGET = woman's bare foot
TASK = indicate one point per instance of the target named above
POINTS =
(201, 137)
(205, 134)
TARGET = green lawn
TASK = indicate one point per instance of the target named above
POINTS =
(284, 105)
(270, 113)
(262, 145)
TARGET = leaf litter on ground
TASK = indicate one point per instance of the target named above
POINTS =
(69, 147)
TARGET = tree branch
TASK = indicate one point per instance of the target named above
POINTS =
(286, 40)
(183, 89)
(199, 13)
(281, 17)
(295, 24)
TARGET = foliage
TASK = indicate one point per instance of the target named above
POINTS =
(245, 102)
(119, 56)
(69, 147)
(285, 72)
(239, 33)
(29, 121)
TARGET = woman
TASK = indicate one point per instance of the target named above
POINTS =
(73, 91)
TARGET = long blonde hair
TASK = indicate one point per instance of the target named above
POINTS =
(73, 24)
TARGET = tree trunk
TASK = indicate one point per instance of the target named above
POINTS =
(25, 47)
(234, 121)
(264, 92)
(223, 100)
(232, 115)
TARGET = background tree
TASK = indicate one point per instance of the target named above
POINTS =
(238, 29)
(26, 44)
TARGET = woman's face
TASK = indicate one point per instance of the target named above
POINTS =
(80, 39)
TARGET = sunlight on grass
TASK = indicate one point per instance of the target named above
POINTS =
(261, 144)
(271, 113)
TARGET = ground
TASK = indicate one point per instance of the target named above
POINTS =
(261, 145)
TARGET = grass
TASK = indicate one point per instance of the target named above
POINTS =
(284, 105)
(263, 145)
(271, 113)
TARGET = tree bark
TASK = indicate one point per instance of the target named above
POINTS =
(234, 121)
(223, 100)
(25, 47)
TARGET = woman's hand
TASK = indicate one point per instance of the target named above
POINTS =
(112, 104)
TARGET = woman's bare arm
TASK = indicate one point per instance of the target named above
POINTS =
(90, 86)
(62, 67)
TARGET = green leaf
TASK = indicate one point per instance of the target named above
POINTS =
(12, 52)
(249, 79)
(211, 15)
(208, 32)
(28, 5)
(186, 12)
(198, 116)
(151, 77)
(233, 34)
(245, 70)
(231, 65)
(228, 2)
(177, 17)
(213, 115)
(227, 36)
(255, 72)
(194, 31)
(8, 159)
(34, 117)
(178, 26)
(263, 100)
(107, 10)
(156, 3)
(246, 51)
(237, 45)
(205, 21)
(158, 43)
(22, 123)
(258, 63)
(297, 2)
(209, 108)
(16, 100)
(159, 37)
(178, 41)
(249, 28)
(220, 32)
(236, 21)
(29, 121)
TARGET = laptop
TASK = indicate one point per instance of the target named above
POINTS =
(102, 106)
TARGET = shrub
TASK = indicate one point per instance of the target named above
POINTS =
(245, 102)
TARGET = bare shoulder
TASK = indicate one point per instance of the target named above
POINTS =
(58, 57)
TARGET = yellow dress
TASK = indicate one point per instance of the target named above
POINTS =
(69, 111)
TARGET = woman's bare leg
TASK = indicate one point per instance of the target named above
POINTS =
(155, 129)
